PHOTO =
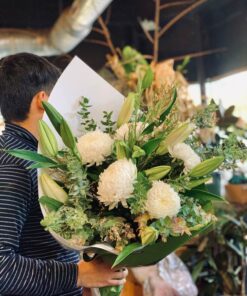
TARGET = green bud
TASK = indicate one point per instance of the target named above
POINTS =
(52, 189)
(206, 167)
(149, 235)
(158, 172)
(127, 109)
(120, 150)
(47, 140)
(138, 152)
(176, 136)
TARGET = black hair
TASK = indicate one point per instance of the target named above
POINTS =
(22, 76)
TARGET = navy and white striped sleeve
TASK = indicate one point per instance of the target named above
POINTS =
(20, 275)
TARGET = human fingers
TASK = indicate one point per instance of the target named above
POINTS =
(114, 282)
(120, 274)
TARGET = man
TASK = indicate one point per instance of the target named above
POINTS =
(31, 261)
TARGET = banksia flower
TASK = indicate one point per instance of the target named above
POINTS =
(52, 189)
(47, 139)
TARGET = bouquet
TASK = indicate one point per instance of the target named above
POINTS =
(131, 192)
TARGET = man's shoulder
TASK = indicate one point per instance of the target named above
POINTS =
(8, 142)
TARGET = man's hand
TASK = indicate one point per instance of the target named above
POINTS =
(97, 274)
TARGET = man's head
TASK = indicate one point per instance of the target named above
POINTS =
(25, 80)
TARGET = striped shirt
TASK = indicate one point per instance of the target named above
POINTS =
(31, 261)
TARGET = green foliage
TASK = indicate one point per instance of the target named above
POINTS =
(217, 260)
(67, 222)
(131, 58)
(76, 182)
(51, 203)
(233, 150)
(39, 159)
(205, 118)
(138, 200)
(87, 123)
(182, 67)
(108, 123)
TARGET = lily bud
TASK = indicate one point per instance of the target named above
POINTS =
(47, 140)
(138, 152)
(52, 189)
(158, 172)
(149, 235)
(176, 136)
(127, 109)
(206, 167)
(120, 150)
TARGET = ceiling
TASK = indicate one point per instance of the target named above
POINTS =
(217, 24)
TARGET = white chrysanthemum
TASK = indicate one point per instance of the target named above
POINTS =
(94, 147)
(122, 133)
(162, 201)
(116, 183)
(186, 154)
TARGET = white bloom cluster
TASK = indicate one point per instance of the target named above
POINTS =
(116, 183)
(162, 201)
(94, 147)
(187, 154)
(122, 133)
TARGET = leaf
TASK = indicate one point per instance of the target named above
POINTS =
(202, 195)
(54, 116)
(151, 145)
(40, 165)
(126, 252)
(148, 129)
(68, 138)
(169, 108)
(51, 203)
(147, 79)
(197, 270)
(197, 183)
(111, 291)
(30, 155)
(152, 254)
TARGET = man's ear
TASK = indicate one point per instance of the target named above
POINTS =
(39, 98)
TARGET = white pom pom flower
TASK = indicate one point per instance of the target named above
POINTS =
(122, 133)
(94, 147)
(186, 154)
(116, 183)
(162, 201)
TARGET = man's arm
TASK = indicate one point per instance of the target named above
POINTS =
(20, 275)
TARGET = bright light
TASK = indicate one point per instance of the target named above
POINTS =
(231, 90)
